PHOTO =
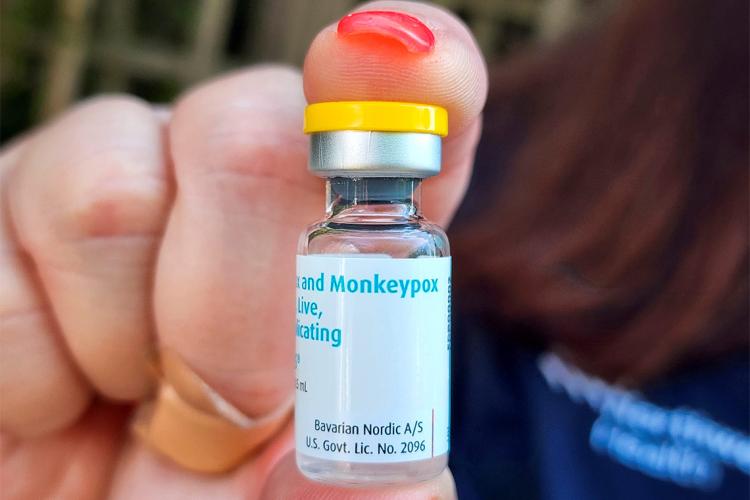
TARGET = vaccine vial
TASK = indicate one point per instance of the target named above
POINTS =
(373, 332)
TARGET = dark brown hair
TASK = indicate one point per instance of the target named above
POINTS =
(619, 228)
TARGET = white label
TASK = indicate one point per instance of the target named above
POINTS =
(373, 357)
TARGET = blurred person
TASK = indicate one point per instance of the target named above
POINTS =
(600, 345)
(601, 262)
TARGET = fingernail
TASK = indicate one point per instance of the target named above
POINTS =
(407, 30)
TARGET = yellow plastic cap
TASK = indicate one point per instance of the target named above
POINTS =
(376, 116)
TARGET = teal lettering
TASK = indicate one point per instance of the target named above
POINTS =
(337, 284)
(402, 287)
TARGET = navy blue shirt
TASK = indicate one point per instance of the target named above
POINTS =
(527, 425)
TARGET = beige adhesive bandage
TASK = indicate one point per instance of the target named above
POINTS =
(195, 427)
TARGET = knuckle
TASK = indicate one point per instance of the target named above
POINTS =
(108, 175)
(245, 123)
(117, 106)
(120, 201)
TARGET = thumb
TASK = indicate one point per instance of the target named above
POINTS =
(286, 483)
(411, 52)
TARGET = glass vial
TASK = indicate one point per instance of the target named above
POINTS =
(373, 300)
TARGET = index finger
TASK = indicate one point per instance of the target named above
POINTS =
(411, 52)
(374, 59)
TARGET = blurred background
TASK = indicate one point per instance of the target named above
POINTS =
(54, 52)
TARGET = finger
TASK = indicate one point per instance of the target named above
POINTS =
(36, 375)
(286, 483)
(89, 201)
(380, 64)
(75, 463)
(222, 288)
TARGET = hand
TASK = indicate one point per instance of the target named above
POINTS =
(126, 227)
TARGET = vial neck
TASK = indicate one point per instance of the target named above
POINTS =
(376, 199)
